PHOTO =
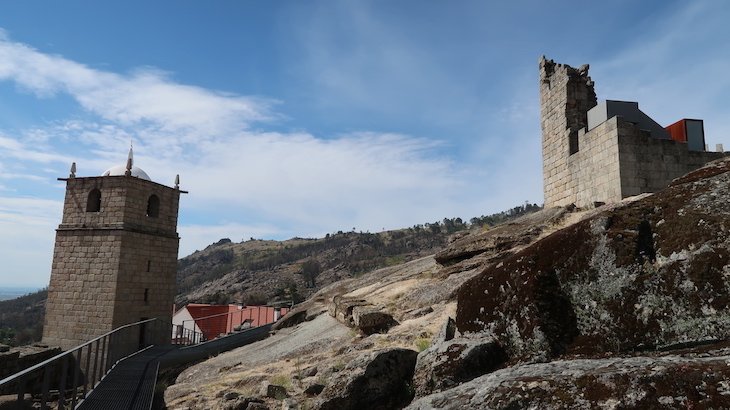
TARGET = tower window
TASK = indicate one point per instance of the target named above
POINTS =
(149, 265)
(146, 295)
(93, 203)
(153, 206)
(573, 142)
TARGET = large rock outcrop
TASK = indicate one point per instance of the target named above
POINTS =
(449, 363)
(620, 306)
(648, 274)
(360, 314)
(675, 381)
(378, 380)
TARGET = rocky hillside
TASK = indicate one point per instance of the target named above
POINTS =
(259, 271)
(262, 271)
(628, 308)
(622, 306)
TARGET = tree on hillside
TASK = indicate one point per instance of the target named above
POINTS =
(310, 269)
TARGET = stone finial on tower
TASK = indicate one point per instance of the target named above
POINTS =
(73, 170)
(177, 181)
(130, 162)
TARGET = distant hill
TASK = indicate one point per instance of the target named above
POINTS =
(21, 319)
(259, 271)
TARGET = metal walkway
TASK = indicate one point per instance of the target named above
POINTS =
(130, 384)
(112, 373)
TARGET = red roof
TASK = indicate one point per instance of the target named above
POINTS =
(215, 320)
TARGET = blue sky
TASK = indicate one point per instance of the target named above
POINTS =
(297, 118)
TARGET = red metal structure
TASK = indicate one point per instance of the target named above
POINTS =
(216, 320)
(688, 131)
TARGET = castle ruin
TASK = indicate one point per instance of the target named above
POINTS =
(596, 152)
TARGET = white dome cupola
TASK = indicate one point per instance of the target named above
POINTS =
(133, 170)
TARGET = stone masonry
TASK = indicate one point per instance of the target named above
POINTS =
(115, 265)
(612, 161)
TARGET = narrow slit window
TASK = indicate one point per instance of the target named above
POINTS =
(149, 265)
(573, 142)
(153, 206)
(146, 295)
(93, 203)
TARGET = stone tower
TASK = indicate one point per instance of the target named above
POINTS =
(115, 256)
(604, 152)
(566, 95)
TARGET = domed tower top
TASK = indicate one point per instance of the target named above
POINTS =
(130, 169)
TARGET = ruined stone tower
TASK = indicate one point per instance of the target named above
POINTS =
(115, 256)
(566, 95)
(606, 151)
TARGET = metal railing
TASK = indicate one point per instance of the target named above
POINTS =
(213, 326)
(67, 378)
(186, 337)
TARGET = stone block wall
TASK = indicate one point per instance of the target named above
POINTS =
(115, 266)
(649, 164)
(82, 286)
(617, 160)
(566, 95)
(594, 170)
(146, 284)
(123, 204)
(15, 359)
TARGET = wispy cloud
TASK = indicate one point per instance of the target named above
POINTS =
(17, 150)
(243, 180)
(145, 97)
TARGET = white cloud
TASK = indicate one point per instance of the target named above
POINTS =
(145, 97)
(242, 181)
(17, 150)
(312, 185)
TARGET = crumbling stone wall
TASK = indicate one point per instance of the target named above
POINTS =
(115, 266)
(566, 95)
(610, 162)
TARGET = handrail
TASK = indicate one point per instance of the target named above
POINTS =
(80, 369)
(62, 354)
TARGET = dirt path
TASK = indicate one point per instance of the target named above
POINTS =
(319, 335)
